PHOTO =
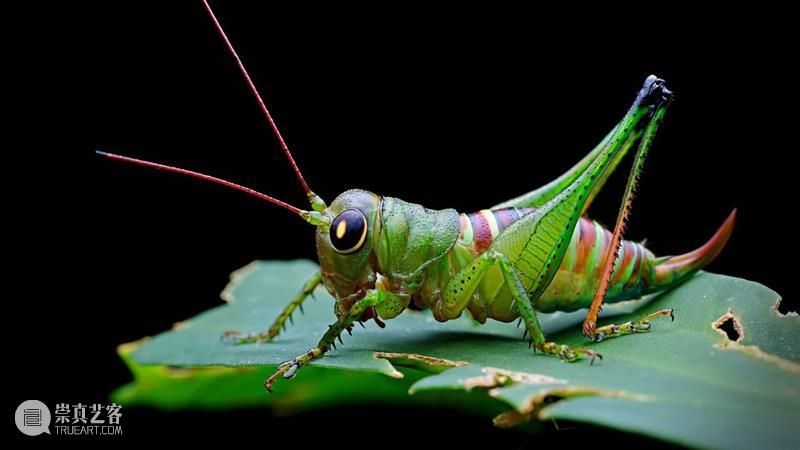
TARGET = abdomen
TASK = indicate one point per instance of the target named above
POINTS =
(637, 271)
(579, 274)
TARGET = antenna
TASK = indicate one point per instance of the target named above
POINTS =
(315, 217)
(202, 176)
(253, 89)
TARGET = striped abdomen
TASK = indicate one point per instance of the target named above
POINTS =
(479, 229)
(579, 274)
(636, 271)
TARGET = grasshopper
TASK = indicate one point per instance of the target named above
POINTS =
(380, 255)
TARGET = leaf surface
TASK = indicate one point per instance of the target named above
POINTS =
(686, 382)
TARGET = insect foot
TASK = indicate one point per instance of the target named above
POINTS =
(641, 325)
(567, 353)
(288, 369)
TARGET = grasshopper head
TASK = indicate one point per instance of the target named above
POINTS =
(344, 241)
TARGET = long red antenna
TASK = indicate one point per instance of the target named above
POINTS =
(258, 97)
(202, 176)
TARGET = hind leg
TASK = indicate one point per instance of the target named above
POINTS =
(590, 323)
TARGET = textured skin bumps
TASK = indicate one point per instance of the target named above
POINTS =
(412, 237)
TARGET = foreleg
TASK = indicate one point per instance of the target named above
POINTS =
(375, 298)
(237, 337)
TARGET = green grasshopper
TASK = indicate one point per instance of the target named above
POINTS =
(380, 255)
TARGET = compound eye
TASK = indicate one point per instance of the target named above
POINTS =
(348, 231)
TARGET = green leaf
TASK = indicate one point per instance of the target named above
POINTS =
(684, 382)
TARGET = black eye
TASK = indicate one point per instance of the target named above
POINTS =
(349, 231)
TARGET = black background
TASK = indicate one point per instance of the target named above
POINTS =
(447, 109)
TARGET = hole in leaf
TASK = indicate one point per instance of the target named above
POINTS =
(729, 325)
(729, 328)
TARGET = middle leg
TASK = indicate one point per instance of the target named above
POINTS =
(463, 284)
(528, 314)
